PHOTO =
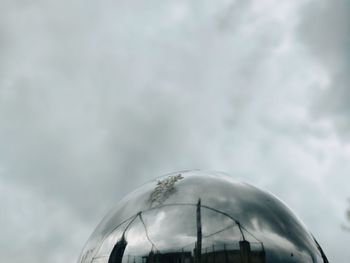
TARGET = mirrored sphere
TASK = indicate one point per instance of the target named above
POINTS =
(200, 217)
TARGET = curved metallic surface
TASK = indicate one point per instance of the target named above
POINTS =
(200, 217)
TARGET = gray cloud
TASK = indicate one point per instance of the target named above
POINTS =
(96, 99)
(325, 30)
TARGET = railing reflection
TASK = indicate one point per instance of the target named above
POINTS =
(239, 252)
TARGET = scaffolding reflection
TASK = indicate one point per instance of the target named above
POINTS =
(235, 252)
(212, 254)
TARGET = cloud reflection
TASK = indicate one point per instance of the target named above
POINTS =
(231, 213)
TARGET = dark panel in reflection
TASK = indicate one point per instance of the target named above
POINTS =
(118, 251)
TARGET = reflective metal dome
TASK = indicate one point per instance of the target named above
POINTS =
(200, 217)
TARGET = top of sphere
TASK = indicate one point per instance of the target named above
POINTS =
(200, 217)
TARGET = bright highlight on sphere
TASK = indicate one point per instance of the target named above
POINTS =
(200, 217)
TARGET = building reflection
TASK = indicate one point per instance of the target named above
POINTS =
(243, 254)
(171, 257)
(242, 251)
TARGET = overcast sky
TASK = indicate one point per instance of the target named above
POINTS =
(97, 97)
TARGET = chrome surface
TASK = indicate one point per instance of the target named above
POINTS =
(200, 217)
